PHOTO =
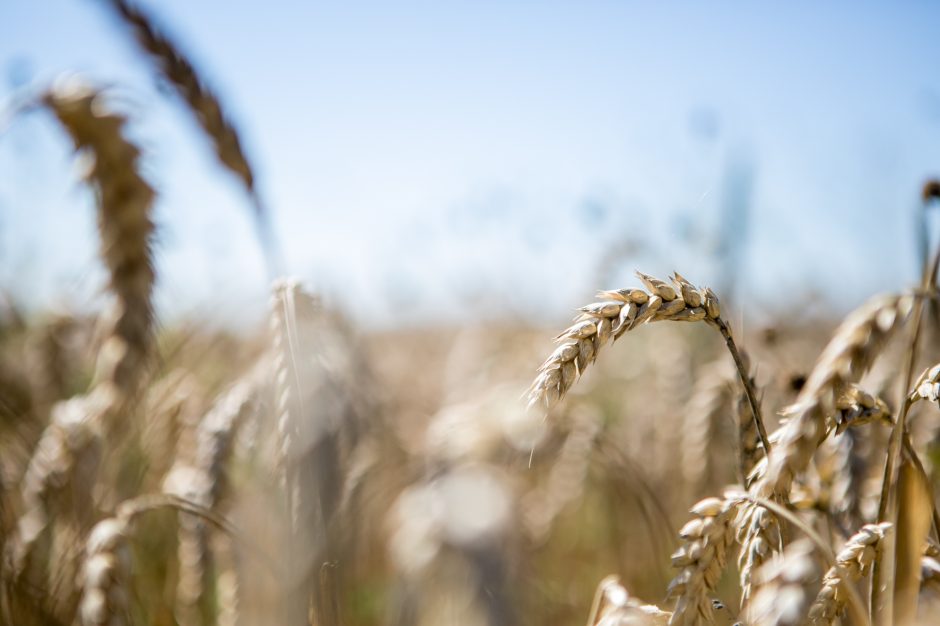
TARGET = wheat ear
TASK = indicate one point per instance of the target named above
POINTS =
(783, 596)
(204, 483)
(701, 559)
(846, 358)
(203, 103)
(854, 562)
(124, 206)
(621, 310)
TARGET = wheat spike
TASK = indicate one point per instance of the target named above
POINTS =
(701, 559)
(204, 104)
(783, 594)
(204, 483)
(854, 562)
(846, 358)
(615, 313)
(849, 354)
(124, 206)
(565, 483)
(125, 203)
(758, 532)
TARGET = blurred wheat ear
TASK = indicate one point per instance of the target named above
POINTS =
(67, 455)
(215, 122)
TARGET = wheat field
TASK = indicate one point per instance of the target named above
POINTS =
(319, 471)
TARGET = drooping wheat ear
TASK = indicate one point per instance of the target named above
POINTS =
(204, 104)
(613, 606)
(615, 313)
(125, 203)
(846, 358)
(708, 407)
(565, 483)
(854, 562)
(784, 588)
(701, 560)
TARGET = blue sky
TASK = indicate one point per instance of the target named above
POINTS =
(427, 161)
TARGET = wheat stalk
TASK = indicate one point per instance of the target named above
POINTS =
(749, 447)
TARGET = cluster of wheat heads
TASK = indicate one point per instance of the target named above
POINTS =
(782, 521)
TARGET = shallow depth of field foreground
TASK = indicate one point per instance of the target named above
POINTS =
(725, 434)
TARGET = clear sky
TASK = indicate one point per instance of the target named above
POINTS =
(441, 159)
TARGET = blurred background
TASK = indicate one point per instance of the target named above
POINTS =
(429, 162)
